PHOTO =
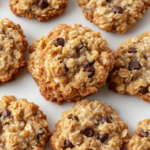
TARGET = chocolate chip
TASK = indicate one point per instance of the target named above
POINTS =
(6, 113)
(117, 9)
(90, 69)
(66, 68)
(143, 134)
(67, 144)
(43, 4)
(134, 65)
(59, 42)
(105, 119)
(74, 118)
(90, 63)
(88, 131)
(132, 50)
(103, 137)
(144, 90)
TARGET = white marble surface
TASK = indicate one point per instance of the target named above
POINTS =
(130, 108)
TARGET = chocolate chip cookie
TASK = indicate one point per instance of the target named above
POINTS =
(89, 126)
(140, 139)
(23, 125)
(131, 73)
(40, 9)
(12, 48)
(70, 62)
(114, 15)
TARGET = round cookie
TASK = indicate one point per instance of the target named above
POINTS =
(140, 139)
(114, 15)
(12, 48)
(131, 73)
(23, 125)
(40, 9)
(89, 126)
(70, 62)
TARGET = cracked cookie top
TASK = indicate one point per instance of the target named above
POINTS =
(12, 47)
(131, 73)
(70, 62)
(89, 126)
(23, 125)
(40, 9)
(140, 139)
(114, 15)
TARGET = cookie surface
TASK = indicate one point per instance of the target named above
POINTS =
(114, 15)
(23, 125)
(12, 48)
(140, 139)
(70, 62)
(89, 126)
(40, 9)
(131, 73)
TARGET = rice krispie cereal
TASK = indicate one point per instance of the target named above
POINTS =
(131, 73)
(140, 139)
(12, 48)
(40, 9)
(114, 15)
(89, 126)
(23, 125)
(70, 62)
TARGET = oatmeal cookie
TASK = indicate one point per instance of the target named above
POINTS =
(140, 139)
(40, 9)
(131, 73)
(89, 126)
(70, 62)
(12, 48)
(114, 15)
(23, 125)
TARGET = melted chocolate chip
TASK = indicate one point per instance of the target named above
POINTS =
(103, 137)
(117, 9)
(67, 144)
(59, 42)
(143, 134)
(134, 65)
(6, 113)
(144, 90)
(74, 118)
(43, 4)
(39, 135)
(88, 131)
(90, 69)
(105, 119)
(132, 50)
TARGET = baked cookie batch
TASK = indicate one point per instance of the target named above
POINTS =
(69, 63)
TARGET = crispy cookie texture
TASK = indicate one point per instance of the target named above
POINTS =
(131, 73)
(89, 126)
(12, 48)
(41, 9)
(114, 15)
(140, 139)
(70, 62)
(23, 125)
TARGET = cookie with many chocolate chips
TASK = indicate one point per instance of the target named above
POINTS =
(131, 73)
(98, 128)
(40, 9)
(70, 62)
(114, 15)
(23, 125)
(140, 139)
(12, 48)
